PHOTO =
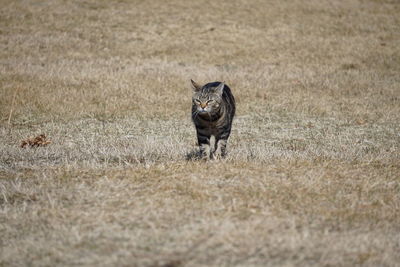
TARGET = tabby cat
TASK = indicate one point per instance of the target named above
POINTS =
(213, 110)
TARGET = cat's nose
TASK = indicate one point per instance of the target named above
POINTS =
(203, 105)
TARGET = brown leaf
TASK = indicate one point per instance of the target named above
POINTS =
(37, 141)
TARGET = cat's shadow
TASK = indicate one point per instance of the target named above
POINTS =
(194, 155)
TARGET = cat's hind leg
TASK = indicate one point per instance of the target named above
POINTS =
(220, 150)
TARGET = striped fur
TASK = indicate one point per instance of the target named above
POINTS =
(213, 110)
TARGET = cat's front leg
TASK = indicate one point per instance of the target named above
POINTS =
(204, 144)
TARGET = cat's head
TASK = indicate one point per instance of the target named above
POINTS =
(207, 98)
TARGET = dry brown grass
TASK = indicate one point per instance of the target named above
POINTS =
(312, 177)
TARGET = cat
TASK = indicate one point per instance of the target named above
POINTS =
(213, 109)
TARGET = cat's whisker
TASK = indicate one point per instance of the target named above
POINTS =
(194, 114)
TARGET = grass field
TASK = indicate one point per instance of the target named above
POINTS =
(312, 176)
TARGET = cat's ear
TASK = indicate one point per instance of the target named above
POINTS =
(220, 88)
(195, 86)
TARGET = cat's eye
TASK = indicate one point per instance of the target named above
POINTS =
(196, 101)
(210, 101)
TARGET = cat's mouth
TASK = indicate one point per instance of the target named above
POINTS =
(202, 111)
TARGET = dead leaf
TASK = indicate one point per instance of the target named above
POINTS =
(40, 140)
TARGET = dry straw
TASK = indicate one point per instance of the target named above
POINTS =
(12, 106)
